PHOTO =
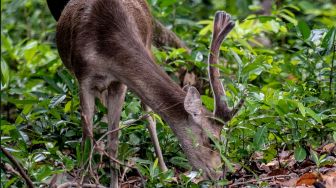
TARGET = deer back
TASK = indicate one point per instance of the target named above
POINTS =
(87, 24)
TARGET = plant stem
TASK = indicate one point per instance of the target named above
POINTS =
(19, 167)
(332, 71)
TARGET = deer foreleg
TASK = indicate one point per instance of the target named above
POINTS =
(115, 100)
(155, 140)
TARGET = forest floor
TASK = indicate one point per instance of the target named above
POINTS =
(284, 171)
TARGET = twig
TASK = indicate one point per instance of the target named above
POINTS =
(122, 164)
(75, 184)
(9, 169)
(126, 124)
(124, 174)
(116, 160)
(18, 166)
(257, 180)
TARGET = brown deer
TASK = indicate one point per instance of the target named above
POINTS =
(161, 37)
(107, 45)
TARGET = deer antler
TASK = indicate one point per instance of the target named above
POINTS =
(222, 26)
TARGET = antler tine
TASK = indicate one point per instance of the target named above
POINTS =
(222, 26)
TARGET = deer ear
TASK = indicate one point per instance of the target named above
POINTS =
(192, 102)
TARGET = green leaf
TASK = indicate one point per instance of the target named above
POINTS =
(288, 12)
(334, 136)
(30, 50)
(56, 100)
(239, 61)
(284, 106)
(288, 18)
(55, 113)
(79, 154)
(245, 44)
(208, 102)
(315, 157)
(166, 3)
(154, 170)
(143, 170)
(252, 70)
(304, 29)
(300, 154)
(87, 150)
(26, 109)
(100, 107)
(67, 107)
(237, 58)
(301, 109)
(260, 137)
(7, 128)
(331, 125)
(180, 162)
(293, 7)
(207, 29)
(329, 40)
(10, 182)
(312, 114)
(228, 164)
(52, 83)
(70, 133)
(67, 79)
(4, 74)
(18, 102)
(270, 154)
(134, 139)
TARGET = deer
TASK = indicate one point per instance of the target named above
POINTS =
(106, 44)
(161, 37)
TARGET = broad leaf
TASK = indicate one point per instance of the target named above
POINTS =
(304, 29)
(300, 154)
(260, 137)
(329, 40)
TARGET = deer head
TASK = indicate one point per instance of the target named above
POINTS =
(193, 105)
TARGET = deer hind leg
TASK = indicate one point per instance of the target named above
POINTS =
(115, 100)
(153, 134)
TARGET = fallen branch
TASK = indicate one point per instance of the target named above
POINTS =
(258, 180)
(74, 184)
(23, 174)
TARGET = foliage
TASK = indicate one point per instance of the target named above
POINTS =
(284, 61)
